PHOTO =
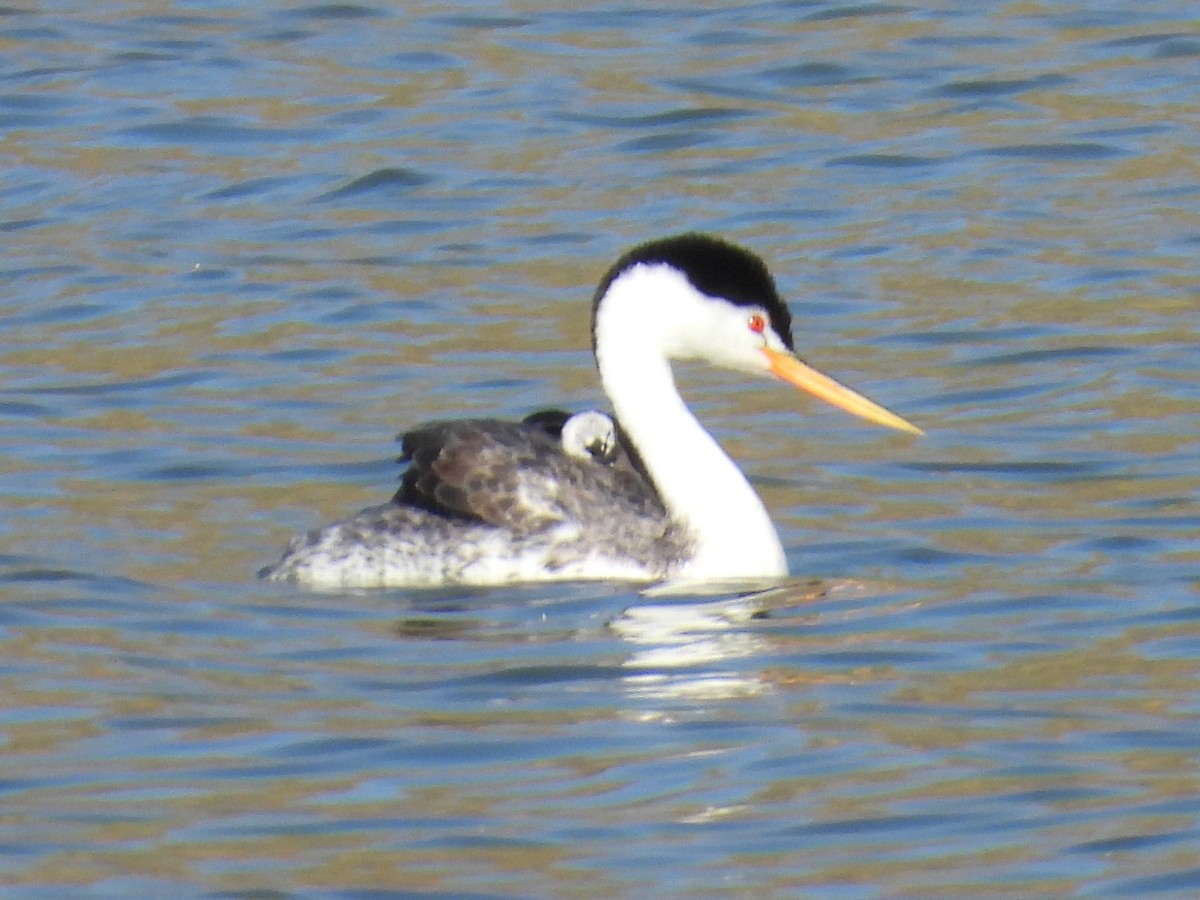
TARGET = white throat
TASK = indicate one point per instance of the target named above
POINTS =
(700, 485)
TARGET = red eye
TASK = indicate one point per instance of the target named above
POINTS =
(757, 323)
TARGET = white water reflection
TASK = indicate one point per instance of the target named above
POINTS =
(684, 644)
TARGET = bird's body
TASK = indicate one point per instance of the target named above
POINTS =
(553, 498)
(485, 501)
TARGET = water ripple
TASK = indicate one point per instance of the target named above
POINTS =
(244, 246)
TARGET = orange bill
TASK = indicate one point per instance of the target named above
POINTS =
(790, 369)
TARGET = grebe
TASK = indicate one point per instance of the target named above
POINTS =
(487, 502)
(586, 435)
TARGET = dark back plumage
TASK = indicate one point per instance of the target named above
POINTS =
(513, 475)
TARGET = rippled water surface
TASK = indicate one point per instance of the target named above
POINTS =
(244, 244)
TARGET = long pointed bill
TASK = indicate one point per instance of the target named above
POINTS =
(805, 377)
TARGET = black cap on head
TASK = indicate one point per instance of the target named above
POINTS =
(716, 268)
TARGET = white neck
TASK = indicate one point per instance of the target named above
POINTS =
(700, 485)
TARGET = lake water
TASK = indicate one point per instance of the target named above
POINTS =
(245, 244)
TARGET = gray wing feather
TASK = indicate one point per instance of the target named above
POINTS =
(513, 475)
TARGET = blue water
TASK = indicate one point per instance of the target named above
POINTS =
(245, 245)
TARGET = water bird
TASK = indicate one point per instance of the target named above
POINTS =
(587, 435)
(487, 501)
